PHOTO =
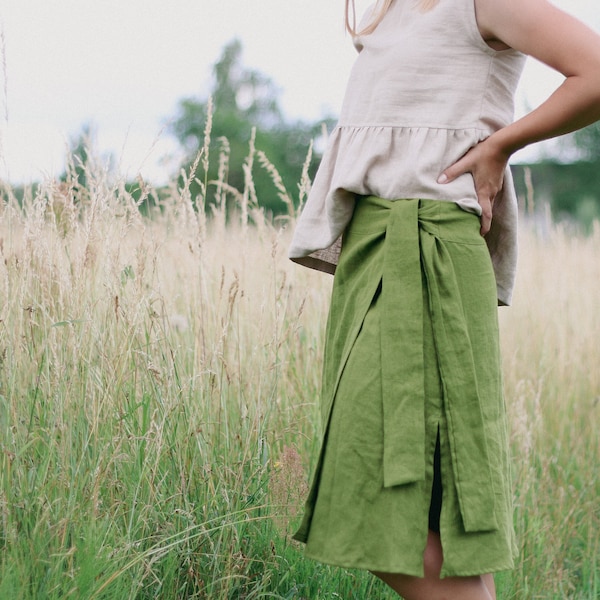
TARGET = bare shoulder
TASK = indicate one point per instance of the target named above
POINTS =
(510, 20)
(540, 29)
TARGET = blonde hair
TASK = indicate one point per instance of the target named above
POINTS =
(423, 5)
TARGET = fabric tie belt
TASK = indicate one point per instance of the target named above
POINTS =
(412, 249)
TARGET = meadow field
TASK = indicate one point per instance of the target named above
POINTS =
(159, 389)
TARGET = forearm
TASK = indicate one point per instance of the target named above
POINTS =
(575, 104)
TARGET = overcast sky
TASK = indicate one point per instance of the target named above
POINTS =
(123, 65)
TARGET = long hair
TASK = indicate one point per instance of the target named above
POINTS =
(378, 14)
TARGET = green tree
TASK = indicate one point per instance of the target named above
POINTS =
(245, 98)
(568, 181)
(587, 142)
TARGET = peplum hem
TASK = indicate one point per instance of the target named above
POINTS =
(398, 162)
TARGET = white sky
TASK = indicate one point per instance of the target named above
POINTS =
(123, 65)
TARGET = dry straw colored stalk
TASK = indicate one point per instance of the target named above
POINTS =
(159, 390)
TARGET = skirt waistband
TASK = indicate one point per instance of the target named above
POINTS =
(443, 219)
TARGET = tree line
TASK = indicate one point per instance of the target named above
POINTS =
(244, 108)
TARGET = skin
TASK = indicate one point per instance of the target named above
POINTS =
(533, 27)
(431, 587)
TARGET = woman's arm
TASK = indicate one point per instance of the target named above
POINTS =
(541, 30)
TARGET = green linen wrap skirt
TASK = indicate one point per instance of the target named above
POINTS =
(412, 353)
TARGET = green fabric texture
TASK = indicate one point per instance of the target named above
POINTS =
(412, 349)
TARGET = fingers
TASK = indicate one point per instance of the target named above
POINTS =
(456, 170)
(486, 215)
(487, 171)
(485, 192)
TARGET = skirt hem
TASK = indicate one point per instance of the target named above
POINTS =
(407, 571)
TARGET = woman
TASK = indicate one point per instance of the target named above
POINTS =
(413, 479)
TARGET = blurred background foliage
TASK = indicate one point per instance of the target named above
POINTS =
(244, 102)
(244, 99)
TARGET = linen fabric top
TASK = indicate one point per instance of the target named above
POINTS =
(424, 89)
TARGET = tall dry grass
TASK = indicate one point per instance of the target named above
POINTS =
(551, 353)
(159, 381)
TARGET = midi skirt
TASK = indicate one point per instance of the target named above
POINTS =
(412, 358)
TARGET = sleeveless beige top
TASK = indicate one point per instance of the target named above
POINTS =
(424, 89)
